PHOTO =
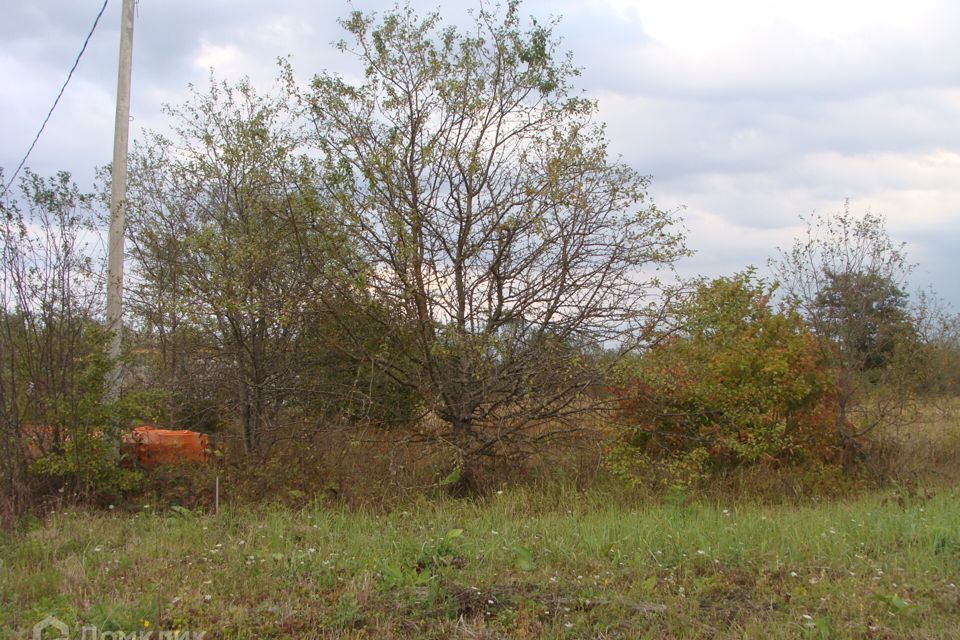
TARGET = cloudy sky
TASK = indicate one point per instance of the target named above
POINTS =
(747, 113)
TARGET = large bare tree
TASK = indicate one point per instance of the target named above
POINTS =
(492, 221)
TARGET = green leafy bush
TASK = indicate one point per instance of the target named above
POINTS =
(83, 454)
(90, 463)
(741, 384)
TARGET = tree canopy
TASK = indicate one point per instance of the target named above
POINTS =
(483, 201)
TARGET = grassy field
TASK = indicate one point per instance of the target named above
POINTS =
(519, 564)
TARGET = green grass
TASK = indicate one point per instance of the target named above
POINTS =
(520, 565)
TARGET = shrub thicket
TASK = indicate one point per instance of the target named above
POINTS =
(741, 384)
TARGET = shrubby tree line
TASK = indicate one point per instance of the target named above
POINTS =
(445, 248)
(52, 346)
(805, 368)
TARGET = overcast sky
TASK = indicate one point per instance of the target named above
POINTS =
(747, 113)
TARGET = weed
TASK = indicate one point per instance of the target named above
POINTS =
(520, 564)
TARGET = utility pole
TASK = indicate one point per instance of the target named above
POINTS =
(118, 197)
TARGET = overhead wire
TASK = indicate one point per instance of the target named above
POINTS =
(76, 62)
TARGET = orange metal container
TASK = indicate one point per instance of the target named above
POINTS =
(153, 447)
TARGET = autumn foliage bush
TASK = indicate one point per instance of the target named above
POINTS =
(741, 383)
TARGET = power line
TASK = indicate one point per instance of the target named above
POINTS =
(55, 102)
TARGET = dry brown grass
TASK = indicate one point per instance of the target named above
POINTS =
(923, 447)
(378, 468)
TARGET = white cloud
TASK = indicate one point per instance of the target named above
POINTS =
(749, 112)
(700, 28)
(225, 57)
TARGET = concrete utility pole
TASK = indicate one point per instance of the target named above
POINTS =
(118, 197)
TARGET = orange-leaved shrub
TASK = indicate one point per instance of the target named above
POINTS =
(741, 383)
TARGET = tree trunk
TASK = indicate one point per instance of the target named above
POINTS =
(470, 482)
(248, 420)
(850, 449)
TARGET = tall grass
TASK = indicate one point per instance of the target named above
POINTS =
(521, 563)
